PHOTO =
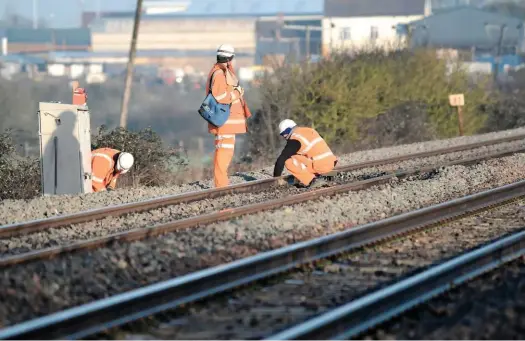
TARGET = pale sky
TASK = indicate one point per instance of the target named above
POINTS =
(63, 13)
(67, 13)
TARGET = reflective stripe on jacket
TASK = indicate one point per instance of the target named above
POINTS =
(225, 94)
(313, 145)
(103, 169)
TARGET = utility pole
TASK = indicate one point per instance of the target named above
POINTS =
(131, 61)
(99, 9)
(307, 43)
(332, 26)
(35, 15)
(497, 60)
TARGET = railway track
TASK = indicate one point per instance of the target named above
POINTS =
(369, 311)
(117, 310)
(486, 307)
(33, 226)
(228, 214)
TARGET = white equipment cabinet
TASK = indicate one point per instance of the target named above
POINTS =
(65, 148)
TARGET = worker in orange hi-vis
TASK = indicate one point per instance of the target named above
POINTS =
(226, 90)
(107, 165)
(306, 155)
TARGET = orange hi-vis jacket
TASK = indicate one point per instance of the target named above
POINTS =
(225, 94)
(103, 173)
(314, 147)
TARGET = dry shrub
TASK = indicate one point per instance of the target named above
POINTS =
(155, 165)
(19, 176)
(403, 124)
(507, 111)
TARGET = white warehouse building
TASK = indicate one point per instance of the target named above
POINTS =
(356, 24)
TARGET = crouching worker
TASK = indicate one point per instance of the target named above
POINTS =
(106, 166)
(306, 155)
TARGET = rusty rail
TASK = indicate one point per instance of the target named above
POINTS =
(11, 230)
(97, 316)
(156, 230)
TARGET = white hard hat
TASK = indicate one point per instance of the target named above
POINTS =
(285, 127)
(226, 51)
(124, 162)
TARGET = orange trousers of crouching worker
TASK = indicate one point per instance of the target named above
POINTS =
(304, 169)
(224, 150)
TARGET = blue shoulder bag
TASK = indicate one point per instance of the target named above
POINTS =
(212, 111)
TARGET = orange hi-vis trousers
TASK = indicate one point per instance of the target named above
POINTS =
(304, 170)
(224, 150)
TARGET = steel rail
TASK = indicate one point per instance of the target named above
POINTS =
(369, 311)
(97, 316)
(32, 226)
(228, 214)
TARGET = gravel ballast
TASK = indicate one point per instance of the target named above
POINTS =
(12, 211)
(41, 287)
(260, 311)
(109, 225)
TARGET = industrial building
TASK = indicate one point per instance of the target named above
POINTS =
(43, 40)
(181, 36)
(358, 24)
(486, 36)
(468, 27)
(192, 34)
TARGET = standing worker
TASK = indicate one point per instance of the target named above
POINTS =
(306, 154)
(106, 166)
(226, 90)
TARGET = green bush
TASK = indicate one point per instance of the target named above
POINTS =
(340, 96)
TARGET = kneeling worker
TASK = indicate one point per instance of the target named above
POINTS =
(106, 166)
(306, 154)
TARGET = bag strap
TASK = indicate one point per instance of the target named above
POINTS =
(211, 83)
(211, 80)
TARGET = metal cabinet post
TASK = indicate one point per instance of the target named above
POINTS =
(65, 148)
